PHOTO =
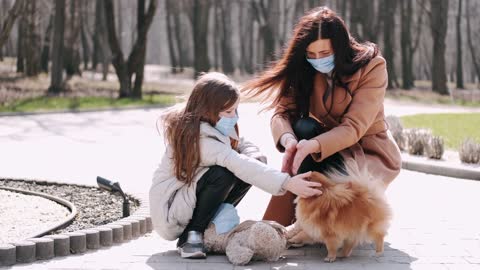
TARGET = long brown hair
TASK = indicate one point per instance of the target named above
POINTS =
(213, 93)
(292, 76)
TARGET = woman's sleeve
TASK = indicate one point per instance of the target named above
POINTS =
(367, 101)
(280, 122)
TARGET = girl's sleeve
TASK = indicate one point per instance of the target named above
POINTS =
(246, 168)
(251, 150)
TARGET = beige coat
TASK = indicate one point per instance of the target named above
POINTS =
(356, 124)
(172, 202)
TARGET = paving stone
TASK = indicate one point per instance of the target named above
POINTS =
(61, 244)
(7, 255)
(127, 229)
(25, 251)
(106, 236)
(78, 242)
(93, 238)
(44, 248)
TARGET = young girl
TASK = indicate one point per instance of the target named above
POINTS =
(206, 164)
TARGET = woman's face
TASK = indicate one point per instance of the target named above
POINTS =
(230, 112)
(319, 49)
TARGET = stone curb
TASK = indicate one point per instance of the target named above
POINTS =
(422, 164)
(81, 241)
(10, 114)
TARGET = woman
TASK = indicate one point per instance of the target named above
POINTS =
(206, 164)
(328, 94)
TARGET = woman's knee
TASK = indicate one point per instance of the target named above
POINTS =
(307, 128)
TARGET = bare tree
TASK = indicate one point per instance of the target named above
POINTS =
(471, 45)
(459, 47)
(389, 41)
(32, 42)
(198, 13)
(21, 42)
(72, 39)
(56, 83)
(246, 35)
(261, 9)
(438, 26)
(136, 59)
(7, 25)
(365, 22)
(409, 46)
(171, 38)
(45, 57)
(226, 25)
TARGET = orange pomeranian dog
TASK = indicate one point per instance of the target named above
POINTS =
(352, 210)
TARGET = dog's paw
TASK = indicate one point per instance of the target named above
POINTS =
(379, 254)
(330, 259)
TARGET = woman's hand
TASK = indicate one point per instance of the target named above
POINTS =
(290, 149)
(304, 148)
(300, 186)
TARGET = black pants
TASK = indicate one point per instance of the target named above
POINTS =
(218, 185)
(307, 128)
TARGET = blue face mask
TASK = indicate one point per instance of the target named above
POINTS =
(324, 64)
(226, 125)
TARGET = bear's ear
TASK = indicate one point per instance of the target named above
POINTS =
(238, 254)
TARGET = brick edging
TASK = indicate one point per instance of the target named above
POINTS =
(80, 241)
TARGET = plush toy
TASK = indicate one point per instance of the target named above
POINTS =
(249, 240)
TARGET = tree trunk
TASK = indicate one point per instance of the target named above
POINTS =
(32, 50)
(56, 84)
(45, 58)
(199, 22)
(72, 41)
(217, 39)
(438, 25)
(459, 48)
(405, 41)
(246, 36)
(389, 41)
(227, 61)
(7, 25)
(136, 60)
(177, 28)
(84, 35)
(97, 32)
(22, 29)
(170, 24)
(471, 45)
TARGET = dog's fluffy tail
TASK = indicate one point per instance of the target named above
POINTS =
(355, 174)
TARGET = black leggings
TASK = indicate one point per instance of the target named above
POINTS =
(218, 185)
(307, 128)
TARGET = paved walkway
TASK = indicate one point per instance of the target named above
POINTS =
(434, 225)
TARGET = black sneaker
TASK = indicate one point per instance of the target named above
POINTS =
(193, 247)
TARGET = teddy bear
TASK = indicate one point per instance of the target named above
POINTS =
(249, 240)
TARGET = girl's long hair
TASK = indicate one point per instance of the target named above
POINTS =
(292, 76)
(212, 94)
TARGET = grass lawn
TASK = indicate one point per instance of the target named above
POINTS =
(44, 103)
(452, 127)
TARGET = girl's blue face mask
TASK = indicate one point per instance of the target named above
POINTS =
(226, 125)
(324, 64)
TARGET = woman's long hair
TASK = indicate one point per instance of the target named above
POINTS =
(212, 94)
(292, 76)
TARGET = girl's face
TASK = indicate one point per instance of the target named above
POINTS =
(319, 49)
(230, 112)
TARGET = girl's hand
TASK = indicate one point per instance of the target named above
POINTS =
(290, 149)
(300, 186)
(304, 148)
